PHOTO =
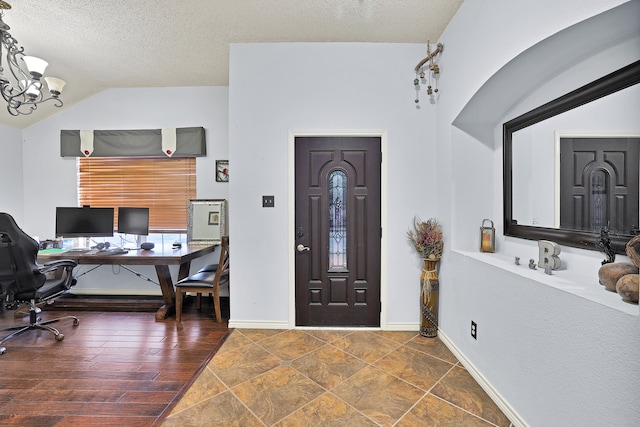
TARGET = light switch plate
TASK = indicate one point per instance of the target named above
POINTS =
(268, 201)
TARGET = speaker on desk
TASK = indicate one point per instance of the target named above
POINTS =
(147, 246)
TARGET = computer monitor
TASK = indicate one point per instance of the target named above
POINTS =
(133, 221)
(84, 222)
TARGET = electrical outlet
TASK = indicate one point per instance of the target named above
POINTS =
(268, 201)
(474, 330)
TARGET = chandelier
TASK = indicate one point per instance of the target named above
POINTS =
(22, 89)
(428, 71)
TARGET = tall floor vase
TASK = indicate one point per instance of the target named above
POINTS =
(429, 298)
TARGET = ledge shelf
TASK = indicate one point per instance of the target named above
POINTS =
(579, 283)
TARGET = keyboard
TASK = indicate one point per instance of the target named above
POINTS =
(77, 251)
(112, 251)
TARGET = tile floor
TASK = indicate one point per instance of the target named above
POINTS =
(334, 378)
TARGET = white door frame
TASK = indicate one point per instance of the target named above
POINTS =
(382, 134)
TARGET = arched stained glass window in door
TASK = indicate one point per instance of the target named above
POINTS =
(337, 220)
(598, 199)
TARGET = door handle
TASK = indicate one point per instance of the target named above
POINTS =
(302, 248)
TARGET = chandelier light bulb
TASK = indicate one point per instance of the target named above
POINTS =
(35, 65)
(32, 88)
(55, 85)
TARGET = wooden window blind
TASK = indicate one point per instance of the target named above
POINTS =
(164, 185)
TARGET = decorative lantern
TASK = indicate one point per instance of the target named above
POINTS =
(487, 237)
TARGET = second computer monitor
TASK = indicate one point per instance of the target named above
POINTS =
(133, 221)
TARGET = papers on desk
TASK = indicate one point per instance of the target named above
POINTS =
(50, 251)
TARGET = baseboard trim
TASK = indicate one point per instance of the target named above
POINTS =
(493, 394)
(253, 324)
(115, 292)
(133, 303)
(402, 327)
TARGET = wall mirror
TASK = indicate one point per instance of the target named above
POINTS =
(207, 221)
(532, 167)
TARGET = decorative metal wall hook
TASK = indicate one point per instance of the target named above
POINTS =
(432, 71)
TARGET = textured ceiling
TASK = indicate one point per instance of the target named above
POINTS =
(95, 45)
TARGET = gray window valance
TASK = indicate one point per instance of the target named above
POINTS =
(179, 142)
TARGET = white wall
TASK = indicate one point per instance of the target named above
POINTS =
(280, 88)
(50, 180)
(11, 200)
(554, 357)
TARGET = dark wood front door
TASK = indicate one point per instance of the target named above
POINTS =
(599, 184)
(338, 231)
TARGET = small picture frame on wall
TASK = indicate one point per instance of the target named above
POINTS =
(214, 218)
(222, 170)
(207, 221)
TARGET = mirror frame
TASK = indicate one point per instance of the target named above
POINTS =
(611, 83)
(207, 221)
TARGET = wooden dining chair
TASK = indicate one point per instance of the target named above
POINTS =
(206, 281)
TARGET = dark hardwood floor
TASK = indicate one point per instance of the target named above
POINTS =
(116, 368)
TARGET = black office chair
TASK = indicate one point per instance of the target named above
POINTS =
(23, 280)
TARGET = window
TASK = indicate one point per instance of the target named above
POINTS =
(164, 185)
(599, 201)
(337, 220)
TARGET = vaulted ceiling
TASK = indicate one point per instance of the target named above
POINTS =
(96, 45)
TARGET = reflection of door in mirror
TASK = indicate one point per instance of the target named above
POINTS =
(599, 183)
(607, 107)
(535, 154)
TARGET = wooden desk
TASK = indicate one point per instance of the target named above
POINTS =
(161, 257)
